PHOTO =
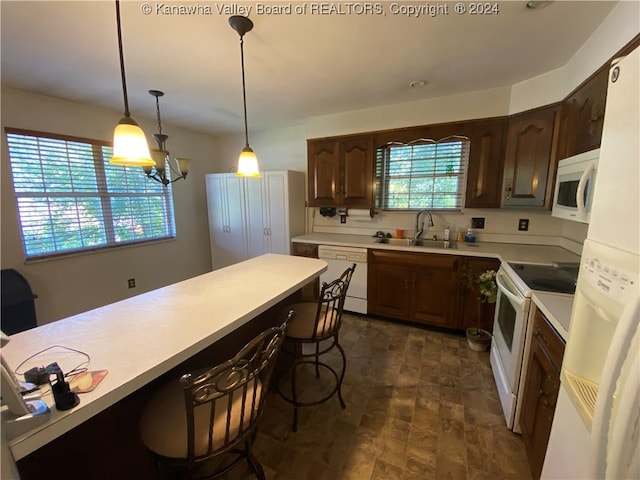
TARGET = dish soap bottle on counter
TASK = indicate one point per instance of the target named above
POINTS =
(470, 236)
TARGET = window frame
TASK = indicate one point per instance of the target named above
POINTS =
(383, 166)
(102, 194)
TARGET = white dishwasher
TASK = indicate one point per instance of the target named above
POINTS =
(338, 260)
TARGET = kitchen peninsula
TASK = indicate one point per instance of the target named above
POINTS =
(143, 337)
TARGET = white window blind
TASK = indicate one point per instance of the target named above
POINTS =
(422, 174)
(70, 198)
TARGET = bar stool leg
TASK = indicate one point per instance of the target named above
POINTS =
(294, 396)
(344, 369)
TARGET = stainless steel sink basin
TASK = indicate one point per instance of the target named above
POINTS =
(410, 242)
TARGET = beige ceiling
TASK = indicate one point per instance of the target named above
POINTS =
(297, 65)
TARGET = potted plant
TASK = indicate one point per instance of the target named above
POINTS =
(487, 290)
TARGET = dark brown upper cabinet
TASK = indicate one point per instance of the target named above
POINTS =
(583, 116)
(583, 110)
(486, 163)
(530, 158)
(341, 171)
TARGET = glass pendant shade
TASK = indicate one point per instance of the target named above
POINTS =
(160, 157)
(130, 146)
(248, 164)
(183, 165)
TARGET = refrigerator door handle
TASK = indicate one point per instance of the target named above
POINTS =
(623, 459)
(624, 334)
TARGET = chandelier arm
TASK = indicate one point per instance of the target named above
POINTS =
(176, 171)
(154, 176)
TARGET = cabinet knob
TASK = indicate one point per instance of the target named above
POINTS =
(538, 334)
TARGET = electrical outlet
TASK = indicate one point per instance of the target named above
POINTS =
(343, 219)
(477, 222)
(523, 224)
(132, 283)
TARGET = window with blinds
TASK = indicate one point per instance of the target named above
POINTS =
(71, 199)
(422, 174)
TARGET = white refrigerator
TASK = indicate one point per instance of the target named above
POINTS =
(596, 425)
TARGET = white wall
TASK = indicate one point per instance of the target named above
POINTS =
(74, 284)
(277, 149)
(464, 106)
(620, 26)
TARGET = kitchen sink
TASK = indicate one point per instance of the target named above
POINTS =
(420, 242)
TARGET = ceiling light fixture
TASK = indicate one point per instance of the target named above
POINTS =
(161, 156)
(418, 84)
(533, 4)
(248, 162)
(130, 146)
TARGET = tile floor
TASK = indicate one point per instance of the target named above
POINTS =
(420, 405)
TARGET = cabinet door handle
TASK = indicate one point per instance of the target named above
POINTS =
(539, 335)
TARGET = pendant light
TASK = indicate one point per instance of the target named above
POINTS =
(248, 162)
(130, 146)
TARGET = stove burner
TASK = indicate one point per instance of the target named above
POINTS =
(547, 278)
(553, 285)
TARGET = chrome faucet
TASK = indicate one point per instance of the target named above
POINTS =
(420, 226)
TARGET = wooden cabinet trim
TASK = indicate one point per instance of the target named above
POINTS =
(412, 259)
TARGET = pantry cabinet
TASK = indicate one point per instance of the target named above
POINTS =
(227, 219)
(341, 171)
(418, 287)
(530, 158)
(541, 390)
(249, 217)
(471, 312)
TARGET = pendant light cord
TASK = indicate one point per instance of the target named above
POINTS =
(244, 93)
(158, 115)
(122, 73)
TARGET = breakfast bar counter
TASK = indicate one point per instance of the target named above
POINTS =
(143, 337)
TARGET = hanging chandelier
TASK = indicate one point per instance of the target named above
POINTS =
(247, 162)
(130, 146)
(161, 155)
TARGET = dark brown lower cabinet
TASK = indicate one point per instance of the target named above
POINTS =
(541, 389)
(418, 287)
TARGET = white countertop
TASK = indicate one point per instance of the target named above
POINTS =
(142, 337)
(557, 308)
(507, 252)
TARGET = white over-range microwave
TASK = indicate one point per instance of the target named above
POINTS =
(575, 183)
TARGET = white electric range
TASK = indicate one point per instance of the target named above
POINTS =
(516, 283)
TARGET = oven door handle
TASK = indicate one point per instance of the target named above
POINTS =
(503, 289)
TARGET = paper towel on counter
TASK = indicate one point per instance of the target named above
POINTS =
(359, 214)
